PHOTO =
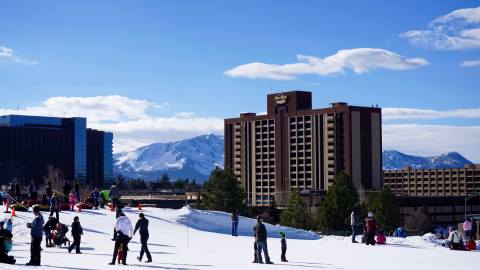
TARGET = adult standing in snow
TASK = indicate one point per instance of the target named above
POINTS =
(371, 229)
(118, 213)
(354, 221)
(77, 232)
(123, 227)
(54, 206)
(261, 240)
(142, 225)
(36, 232)
(234, 223)
(467, 228)
(114, 195)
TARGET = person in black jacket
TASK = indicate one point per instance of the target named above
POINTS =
(261, 239)
(283, 242)
(54, 206)
(77, 232)
(142, 225)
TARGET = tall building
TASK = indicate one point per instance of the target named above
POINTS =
(31, 144)
(296, 147)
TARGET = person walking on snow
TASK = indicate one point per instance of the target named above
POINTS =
(283, 242)
(261, 240)
(234, 223)
(96, 198)
(142, 225)
(123, 227)
(36, 232)
(371, 229)
(354, 222)
(77, 232)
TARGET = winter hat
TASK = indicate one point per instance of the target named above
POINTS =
(282, 234)
(259, 218)
(370, 214)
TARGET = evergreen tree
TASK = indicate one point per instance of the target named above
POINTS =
(222, 192)
(296, 214)
(419, 221)
(165, 181)
(385, 209)
(334, 211)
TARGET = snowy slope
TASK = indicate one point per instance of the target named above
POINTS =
(205, 244)
(192, 158)
(396, 160)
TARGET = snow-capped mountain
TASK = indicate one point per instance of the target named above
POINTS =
(194, 158)
(396, 160)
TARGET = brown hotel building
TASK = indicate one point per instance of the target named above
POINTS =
(296, 147)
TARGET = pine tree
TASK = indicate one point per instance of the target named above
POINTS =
(222, 192)
(296, 214)
(334, 212)
(385, 209)
(165, 181)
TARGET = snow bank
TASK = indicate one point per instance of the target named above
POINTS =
(220, 222)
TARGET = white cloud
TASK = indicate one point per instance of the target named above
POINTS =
(131, 120)
(458, 30)
(359, 60)
(471, 63)
(9, 55)
(433, 139)
(413, 113)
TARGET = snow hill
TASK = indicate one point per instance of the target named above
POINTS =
(189, 239)
(396, 160)
(193, 158)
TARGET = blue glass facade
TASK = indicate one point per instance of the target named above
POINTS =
(80, 149)
(108, 157)
(31, 144)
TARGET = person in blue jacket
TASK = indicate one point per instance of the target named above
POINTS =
(36, 232)
(400, 232)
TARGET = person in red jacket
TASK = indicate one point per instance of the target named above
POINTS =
(381, 238)
(371, 229)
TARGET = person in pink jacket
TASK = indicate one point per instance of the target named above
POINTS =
(467, 228)
(73, 200)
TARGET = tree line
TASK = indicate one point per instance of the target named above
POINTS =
(223, 192)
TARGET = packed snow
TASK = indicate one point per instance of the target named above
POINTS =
(192, 239)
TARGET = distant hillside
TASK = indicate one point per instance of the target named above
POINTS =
(194, 158)
(396, 160)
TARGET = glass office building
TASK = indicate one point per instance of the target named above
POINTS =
(29, 145)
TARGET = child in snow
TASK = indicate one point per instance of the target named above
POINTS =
(381, 239)
(121, 254)
(255, 258)
(73, 200)
(283, 241)
(471, 245)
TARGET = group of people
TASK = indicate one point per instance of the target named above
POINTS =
(55, 233)
(462, 241)
(260, 236)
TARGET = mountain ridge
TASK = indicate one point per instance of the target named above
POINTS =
(196, 157)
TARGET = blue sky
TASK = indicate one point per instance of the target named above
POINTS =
(170, 60)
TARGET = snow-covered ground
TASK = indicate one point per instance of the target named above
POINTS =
(206, 244)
